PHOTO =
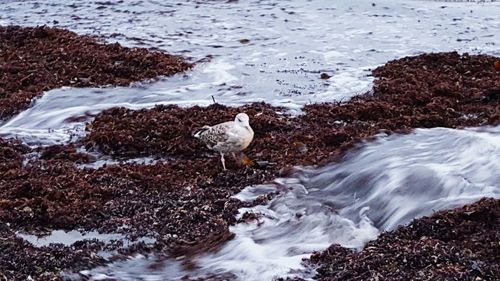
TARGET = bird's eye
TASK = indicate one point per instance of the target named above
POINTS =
(239, 120)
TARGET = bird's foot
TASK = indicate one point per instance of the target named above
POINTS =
(243, 160)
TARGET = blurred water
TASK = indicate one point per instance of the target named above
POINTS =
(384, 184)
(381, 185)
(290, 44)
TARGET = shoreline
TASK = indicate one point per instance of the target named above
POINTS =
(37, 59)
(449, 245)
(185, 203)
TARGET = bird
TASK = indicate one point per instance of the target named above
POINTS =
(228, 137)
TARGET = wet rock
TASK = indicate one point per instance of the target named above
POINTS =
(249, 217)
(325, 76)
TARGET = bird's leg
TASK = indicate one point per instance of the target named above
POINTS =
(222, 160)
(237, 158)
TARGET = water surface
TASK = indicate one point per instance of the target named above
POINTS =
(290, 43)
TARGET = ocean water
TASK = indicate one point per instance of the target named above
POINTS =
(290, 43)
(275, 51)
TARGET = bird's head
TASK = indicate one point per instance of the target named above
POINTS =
(242, 119)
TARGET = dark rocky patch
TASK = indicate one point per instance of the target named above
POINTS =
(20, 259)
(11, 154)
(460, 244)
(325, 76)
(65, 152)
(37, 59)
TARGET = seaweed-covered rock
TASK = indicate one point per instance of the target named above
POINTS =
(460, 244)
(37, 59)
(20, 259)
(430, 90)
(184, 199)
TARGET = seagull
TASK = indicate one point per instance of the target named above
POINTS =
(227, 137)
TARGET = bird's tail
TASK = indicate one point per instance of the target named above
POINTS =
(199, 131)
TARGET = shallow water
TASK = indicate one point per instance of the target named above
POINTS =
(384, 184)
(290, 44)
(68, 238)
(381, 185)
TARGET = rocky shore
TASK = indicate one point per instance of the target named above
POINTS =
(183, 200)
(460, 244)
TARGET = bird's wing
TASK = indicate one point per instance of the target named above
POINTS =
(216, 134)
(197, 132)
